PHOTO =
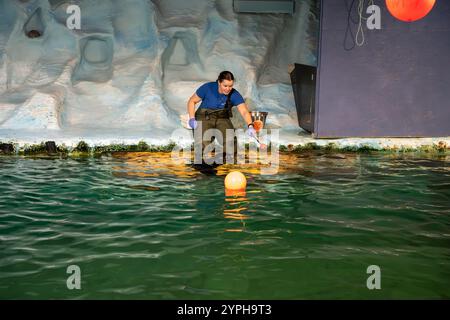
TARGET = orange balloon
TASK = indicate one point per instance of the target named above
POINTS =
(410, 10)
(235, 181)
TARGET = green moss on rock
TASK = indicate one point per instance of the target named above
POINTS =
(82, 147)
(35, 149)
(143, 146)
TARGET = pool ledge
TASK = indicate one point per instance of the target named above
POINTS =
(94, 142)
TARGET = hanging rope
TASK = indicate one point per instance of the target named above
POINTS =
(359, 39)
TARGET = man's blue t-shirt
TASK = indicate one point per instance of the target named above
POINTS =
(212, 99)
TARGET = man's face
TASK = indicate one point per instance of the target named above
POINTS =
(225, 86)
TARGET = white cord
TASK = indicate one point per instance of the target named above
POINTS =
(361, 18)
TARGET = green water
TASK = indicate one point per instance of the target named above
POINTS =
(139, 232)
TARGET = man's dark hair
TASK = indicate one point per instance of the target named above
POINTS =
(225, 75)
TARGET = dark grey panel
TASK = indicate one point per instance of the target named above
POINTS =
(396, 84)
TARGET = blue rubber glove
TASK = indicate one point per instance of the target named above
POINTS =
(251, 131)
(193, 123)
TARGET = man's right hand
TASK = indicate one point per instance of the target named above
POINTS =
(193, 123)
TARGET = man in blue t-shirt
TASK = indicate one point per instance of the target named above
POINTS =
(215, 110)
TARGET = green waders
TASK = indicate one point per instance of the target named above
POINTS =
(215, 119)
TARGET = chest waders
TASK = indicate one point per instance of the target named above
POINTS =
(215, 119)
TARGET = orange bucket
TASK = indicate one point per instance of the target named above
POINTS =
(258, 119)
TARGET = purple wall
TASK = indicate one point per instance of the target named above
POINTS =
(396, 84)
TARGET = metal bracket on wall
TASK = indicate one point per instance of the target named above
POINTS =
(264, 6)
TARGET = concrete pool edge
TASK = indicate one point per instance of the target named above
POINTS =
(288, 139)
(93, 147)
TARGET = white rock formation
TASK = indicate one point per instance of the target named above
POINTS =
(134, 63)
(41, 111)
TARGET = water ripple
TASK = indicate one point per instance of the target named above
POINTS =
(140, 227)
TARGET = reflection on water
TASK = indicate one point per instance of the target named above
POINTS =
(235, 208)
(145, 164)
